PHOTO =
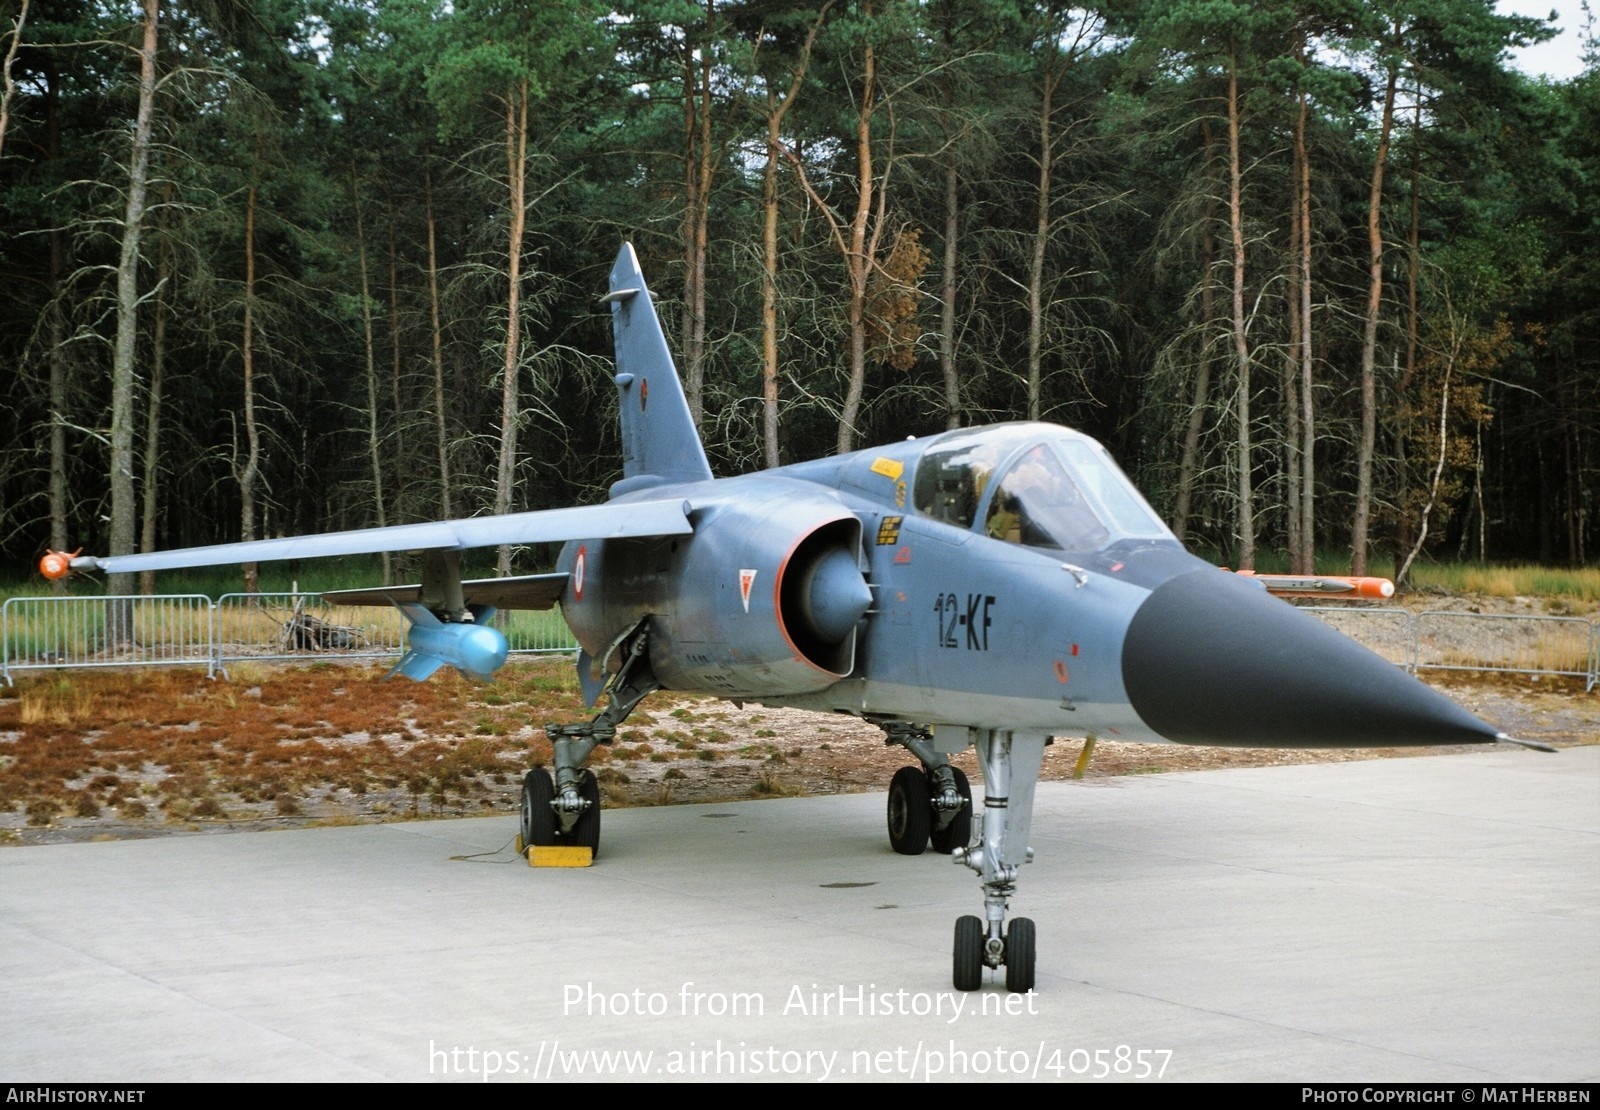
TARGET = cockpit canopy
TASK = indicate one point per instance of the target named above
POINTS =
(1037, 485)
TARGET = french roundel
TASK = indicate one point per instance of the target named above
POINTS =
(577, 573)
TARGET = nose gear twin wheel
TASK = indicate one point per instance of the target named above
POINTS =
(1019, 952)
(968, 974)
(586, 830)
(1021, 944)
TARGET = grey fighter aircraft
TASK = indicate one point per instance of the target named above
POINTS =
(988, 588)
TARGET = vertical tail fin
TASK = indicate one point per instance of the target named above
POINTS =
(659, 440)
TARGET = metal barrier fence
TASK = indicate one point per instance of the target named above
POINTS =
(41, 633)
(535, 632)
(44, 633)
(1506, 642)
(1386, 632)
(292, 626)
(1485, 642)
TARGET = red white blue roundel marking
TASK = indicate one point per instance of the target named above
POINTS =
(577, 573)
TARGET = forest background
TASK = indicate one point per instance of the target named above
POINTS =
(1320, 273)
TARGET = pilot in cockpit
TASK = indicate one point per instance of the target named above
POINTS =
(1037, 504)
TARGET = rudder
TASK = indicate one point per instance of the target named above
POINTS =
(659, 440)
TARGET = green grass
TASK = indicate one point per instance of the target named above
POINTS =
(534, 628)
(1521, 580)
(1579, 586)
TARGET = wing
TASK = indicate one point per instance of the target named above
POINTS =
(667, 517)
(530, 591)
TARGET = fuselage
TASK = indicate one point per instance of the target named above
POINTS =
(1013, 578)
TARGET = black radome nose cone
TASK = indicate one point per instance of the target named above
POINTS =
(1212, 659)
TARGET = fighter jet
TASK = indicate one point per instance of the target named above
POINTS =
(988, 588)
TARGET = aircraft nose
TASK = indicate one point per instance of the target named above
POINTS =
(1211, 659)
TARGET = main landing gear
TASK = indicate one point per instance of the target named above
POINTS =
(566, 809)
(927, 804)
(1010, 762)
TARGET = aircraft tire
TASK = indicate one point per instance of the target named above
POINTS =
(968, 954)
(958, 833)
(538, 820)
(910, 811)
(586, 830)
(1021, 946)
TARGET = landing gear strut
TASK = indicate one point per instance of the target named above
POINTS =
(566, 810)
(1010, 770)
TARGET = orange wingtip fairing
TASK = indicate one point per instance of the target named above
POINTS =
(56, 564)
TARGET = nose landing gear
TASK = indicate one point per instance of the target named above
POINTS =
(1010, 771)
(933, 804)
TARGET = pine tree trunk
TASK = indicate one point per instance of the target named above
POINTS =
(374, 450)
(1289, 383)
(1245, 519)
(947, 313)
(699, 165)
(250, 471)
(437, 335)
(1369, 337)
(1296, 360)
(516, 167)
(151, 483)
(1403, 537)
(1189, 461)
(60, 537)
(769, 285)
(55, 328)
(396, 401)
(858, 258)
(5, 72)
(776, 112)
(1041, 240)
(1308, 427)
(124, 508)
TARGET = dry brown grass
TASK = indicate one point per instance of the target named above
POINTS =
(146, 751)
(272, 742)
